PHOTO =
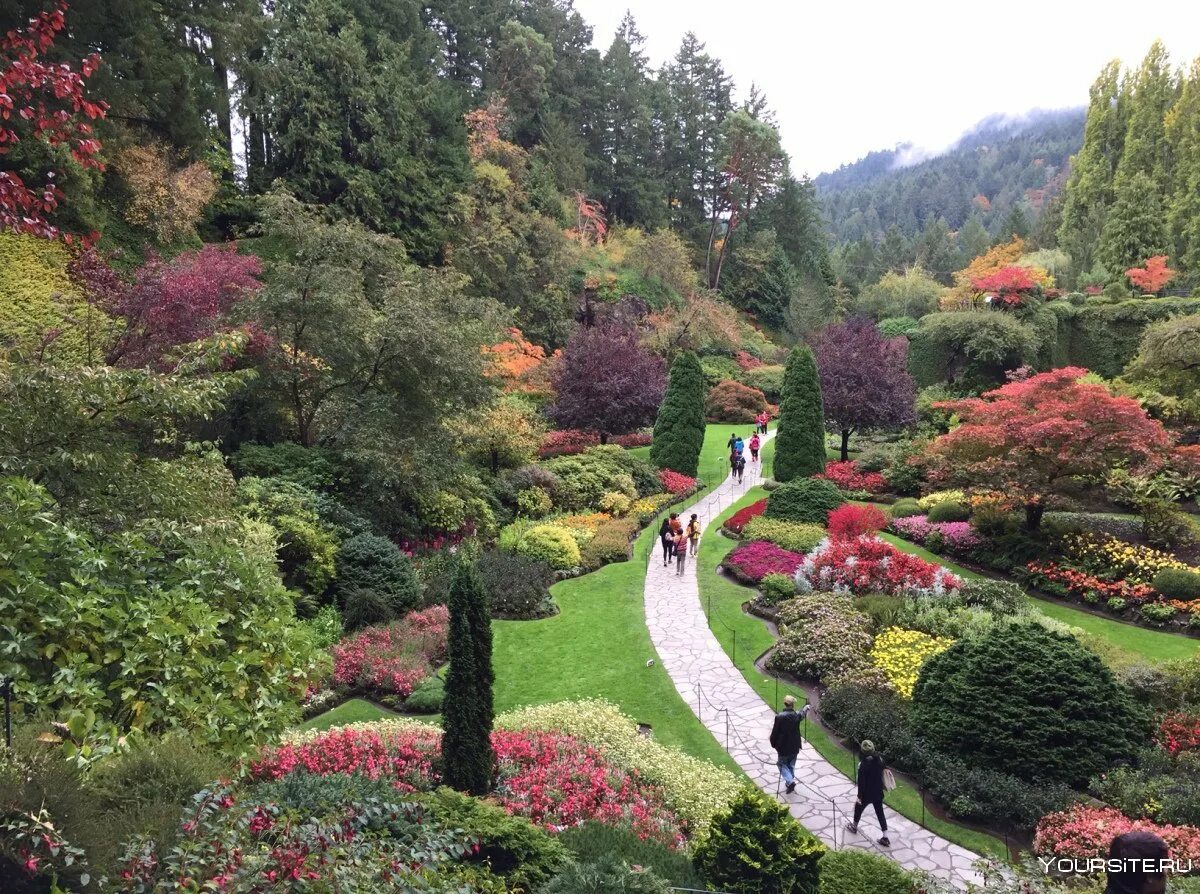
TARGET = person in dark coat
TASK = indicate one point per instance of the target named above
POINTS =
(870, 788)
(786, 740)
(1137, 864)
(667, 537)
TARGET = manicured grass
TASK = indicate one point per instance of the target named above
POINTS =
(722, 600)
(356, 710)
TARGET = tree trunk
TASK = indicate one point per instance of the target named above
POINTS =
(845, 445)
(603, 437)
(1033, 515)
(495, 455)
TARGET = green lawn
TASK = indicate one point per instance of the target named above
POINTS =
(356, 710)
(745, 638)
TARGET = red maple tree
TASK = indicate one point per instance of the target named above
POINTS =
(1152, 278)
(1010, 285)
(42, 100)
(1031, 436)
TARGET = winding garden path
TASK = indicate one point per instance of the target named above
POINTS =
(739, 719)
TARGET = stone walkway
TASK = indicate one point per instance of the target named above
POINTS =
(726, 704)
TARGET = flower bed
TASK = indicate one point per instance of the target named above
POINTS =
(1084, 831)
(822, 637)
(676, 482)
(1107, 557)
(796, 536)
(393, 659)
(1062, 580)
(901, 653)
(549, 777)
(955, 537)
(848, 476)
(738, 521)
(870, 565)
(753, 561)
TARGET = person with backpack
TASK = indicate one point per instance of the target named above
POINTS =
(681, 551)
(693, 533)
(755, 444)
(738, 445)
(667, 538)
(787, 741)
(874, 780)
(731, 444)
(739, 466)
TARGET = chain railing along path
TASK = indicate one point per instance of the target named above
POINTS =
(741, 721)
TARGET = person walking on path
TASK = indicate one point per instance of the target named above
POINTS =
(681, 551)
(731, 444)
(676, 524)
(755, 444)
(871, 788)
(693, 533)
(738, 445)
(737, 462)
(762, 419)
(667, 537)
(786, 740)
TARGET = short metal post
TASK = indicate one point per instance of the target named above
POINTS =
(777, 699)
(921, 789)
(6, 689)
(735, 648)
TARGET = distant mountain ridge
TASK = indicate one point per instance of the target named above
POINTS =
(1002, 162)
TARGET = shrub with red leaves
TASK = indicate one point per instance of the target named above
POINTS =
(850, 520)
(736, 522)
(733, 402)
(676, 482)
(847, 476)
(1085, 831)
(747, 361)
(569, 441)
(753, 561)
(1178, 731)
(870, 565)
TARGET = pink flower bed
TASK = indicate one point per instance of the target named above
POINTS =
(850, 520)
(753, 561)
(957, 536)
(848, 476)
(1084, 831)
(551, 778)
(676, 482)
(393, 658)
(870, 565)
(567, 441)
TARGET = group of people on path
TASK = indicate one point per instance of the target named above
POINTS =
(737, 452)
(678, 541)
(874, 779)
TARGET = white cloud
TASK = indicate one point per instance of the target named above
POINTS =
(851, 76)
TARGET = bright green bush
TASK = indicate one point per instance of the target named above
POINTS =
(309, 467)
(949, 511)
(799, 537)
(584, 479)
(679, 427)
(553, 544)
(1024, 701)
(1000, 597)
(427, 697)
(325, 627)
(376, 564)
(719, 369)
(776, 588)
(767, 379)
(307, 546)
(855, 872)
(1175, 583)
(1157, 613)
(1166, 525)
(606, 875)
(804, 500)
(905, 507)
(893, 327)
(930, 500)
(756, 847)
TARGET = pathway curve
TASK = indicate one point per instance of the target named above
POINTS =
(726, 704)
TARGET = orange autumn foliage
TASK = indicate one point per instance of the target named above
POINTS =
(1153, 277)
(964, 294)
(520, 365)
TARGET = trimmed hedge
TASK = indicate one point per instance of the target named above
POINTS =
(853, 872)
(1105, 337)
(808, 500)
(972, 349)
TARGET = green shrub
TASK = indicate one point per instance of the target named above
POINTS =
(904, 508)
(719, 369)
(525, 855)
(364, 608)
(853, 872)
(949, 512)
(370, 562)
(776, 588)
(584, 479)
(1156, 613)
(1166, 525)
(325, 627)
(857, 711)
(733, 402)
(1000, 597)
(893, 327)
(882, 609)
(593, 840)
(307, 546)
(1022, 700)
(551, 544)
(756, 847)
(518, 586)
(808, 500)
(606, 875)
(309, 467)
(610, 543)
(427, 697)
(970, 349)
(799, 537)
(767, 379)
(1176, 583)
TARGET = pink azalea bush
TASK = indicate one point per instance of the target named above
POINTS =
(549, 777)
(958, 537)
(848, 476)
(1084, 831)
(870, 565)
(676, 482)
(393, 658)
(753, 561)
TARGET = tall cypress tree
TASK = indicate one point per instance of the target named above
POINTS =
(467, 706)
(800, 445)
(679, 428)
(1135, 228)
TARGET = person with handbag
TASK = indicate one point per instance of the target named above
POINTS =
(874, 780)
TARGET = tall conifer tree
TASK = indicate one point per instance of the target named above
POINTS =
(800, 448)
(679, 428)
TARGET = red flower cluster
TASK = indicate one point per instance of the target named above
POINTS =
(870, 565)
(549, 777)
(736, 522)
(1077, 584)
(747, 361)
(1178, 731)
(568, 441)
(1083, 831)
(850, 520)
(393, 658)
(676, 482)
(753, 561)
(847, 476)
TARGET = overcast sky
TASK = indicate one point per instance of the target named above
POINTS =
(849, 76)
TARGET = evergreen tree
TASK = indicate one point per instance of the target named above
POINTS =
(1015, 223)
(467, 755)
(679, 428)
(794, 213)
(895, 254)
(936, 251)
(1135, 228)
(1183, 133)
(1153, 91)
(973, 239)
(800, 448)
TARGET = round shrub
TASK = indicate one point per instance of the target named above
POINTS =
(369, 562)
(949, 511)
(1000, 597)
(615, 503)
(858, 710)
(854, 872)
(1175, 583)
(756, 847)
(775, 588)
(552, 544)
(733, 402)
(533, 502)
(795, 536)
(518, 586)
(822, 636)
(362, 608)
(808, 500)
(904, 508)
(1025, 701)
(427, 697)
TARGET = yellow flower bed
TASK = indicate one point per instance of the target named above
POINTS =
(928, 501)
(1135, 563)
(901, 653)
(586, 522)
